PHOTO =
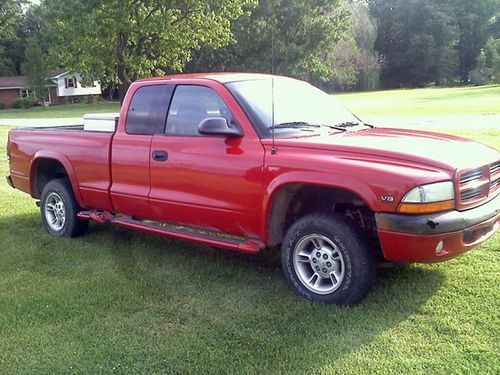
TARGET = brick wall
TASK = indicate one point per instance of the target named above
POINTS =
(9, 96)
(54, 99)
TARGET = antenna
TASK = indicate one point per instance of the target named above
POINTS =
(273, 62)
(273, 147)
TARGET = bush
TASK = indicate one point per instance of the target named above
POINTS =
(24, 103)
(496, 73)
(480, 76)
(2, 106)
(87, 99)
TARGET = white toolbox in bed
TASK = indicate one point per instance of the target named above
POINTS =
(100, 122)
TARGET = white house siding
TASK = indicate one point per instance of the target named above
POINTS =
(79, 90)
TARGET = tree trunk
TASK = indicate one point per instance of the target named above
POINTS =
(112, 90)
(122, 90)
(123, 78)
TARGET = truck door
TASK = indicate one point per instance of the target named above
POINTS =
(208, 181)
(130, 156)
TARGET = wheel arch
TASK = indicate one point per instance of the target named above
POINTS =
(288, 194)
(48, 165)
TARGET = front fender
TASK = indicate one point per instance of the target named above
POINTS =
(329, 179)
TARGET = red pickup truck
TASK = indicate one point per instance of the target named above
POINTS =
(248, 161)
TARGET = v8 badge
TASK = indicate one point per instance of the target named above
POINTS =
(387, 198)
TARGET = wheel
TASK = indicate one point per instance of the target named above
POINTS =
(326, 258)
(59, 208)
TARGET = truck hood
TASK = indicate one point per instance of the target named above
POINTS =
(427, 148)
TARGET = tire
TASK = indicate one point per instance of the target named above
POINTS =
(327, 259)
(58, 209)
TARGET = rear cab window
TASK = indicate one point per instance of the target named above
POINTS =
(148, 108)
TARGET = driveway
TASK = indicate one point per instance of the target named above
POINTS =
(462, 122)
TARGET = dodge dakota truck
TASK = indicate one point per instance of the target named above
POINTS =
(249, 161)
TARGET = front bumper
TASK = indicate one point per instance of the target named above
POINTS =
(415, 238)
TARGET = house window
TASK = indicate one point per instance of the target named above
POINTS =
(26, 93)
(70, 82)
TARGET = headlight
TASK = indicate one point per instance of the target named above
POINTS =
(435, 197)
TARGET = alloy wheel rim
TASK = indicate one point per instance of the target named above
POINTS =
(319, 264)
(55, 211)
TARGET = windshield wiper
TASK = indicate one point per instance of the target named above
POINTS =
(294, 125)
(302, 125)
(347, 124)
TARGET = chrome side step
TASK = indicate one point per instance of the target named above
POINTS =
(206, 237)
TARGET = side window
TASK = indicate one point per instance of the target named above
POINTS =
(148, 109)
(190, 105)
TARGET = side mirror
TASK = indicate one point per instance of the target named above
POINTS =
(218, 126)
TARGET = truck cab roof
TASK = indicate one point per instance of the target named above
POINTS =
(222, 77)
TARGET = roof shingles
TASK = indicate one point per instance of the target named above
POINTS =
(15, 82)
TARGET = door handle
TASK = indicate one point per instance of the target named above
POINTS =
(159, 155)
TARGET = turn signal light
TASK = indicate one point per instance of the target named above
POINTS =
(424, 208)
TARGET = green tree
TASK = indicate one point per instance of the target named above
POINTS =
(119, 41)
(364, 29)
(474, 20)
(35, 69)
(7, 67)
(494, 27)
(345, 65)
(492, 58)
(284, 36)
(414, 41)
(11, 16)
(482, 74)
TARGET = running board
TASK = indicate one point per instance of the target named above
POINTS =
(210, 238)
(98, 216)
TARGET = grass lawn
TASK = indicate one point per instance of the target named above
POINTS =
(119, 301)
(61, 111)
(483, 100)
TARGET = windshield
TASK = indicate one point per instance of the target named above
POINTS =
(295, 103)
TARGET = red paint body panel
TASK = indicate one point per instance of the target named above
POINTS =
(210, 182)
(229, 184)
(130, 174)
(85, 156)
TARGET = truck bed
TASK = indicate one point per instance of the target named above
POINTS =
(85, 154)
(79, 127)
(55, 128)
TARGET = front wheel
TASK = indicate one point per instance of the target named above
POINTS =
(326, 258)
(59, 210)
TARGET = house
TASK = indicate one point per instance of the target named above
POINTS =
(12, 88)
(70, 85)
(62, 86)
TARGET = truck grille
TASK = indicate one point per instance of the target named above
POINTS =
(470, 193)
(475, 174)
(478, 184)
(494, 176)
(495, 184)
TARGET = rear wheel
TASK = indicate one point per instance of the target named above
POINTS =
(326, 258)
(59, 210)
